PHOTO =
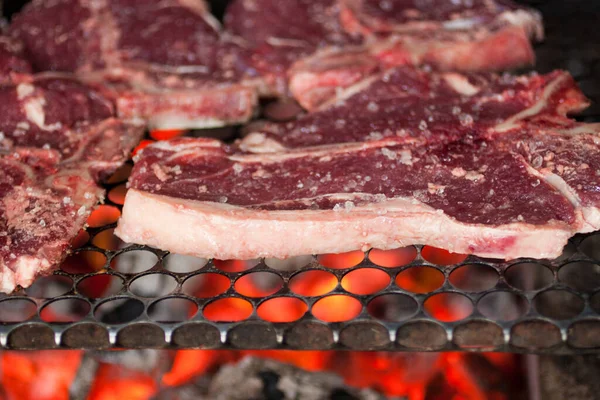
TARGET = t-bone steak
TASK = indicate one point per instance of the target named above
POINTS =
(58, 138)
(164, 61)
(466, 196)
(506, 174)
(323, 45)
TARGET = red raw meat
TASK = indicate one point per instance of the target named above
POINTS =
(166, 62)
(58, 138)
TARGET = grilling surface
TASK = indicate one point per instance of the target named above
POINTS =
(557, 307)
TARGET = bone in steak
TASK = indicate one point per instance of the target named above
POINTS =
(466, 197)
(42, 207)
(326, 44)
(163, 61)
(517, 180)
(405, 104)
(59, 137)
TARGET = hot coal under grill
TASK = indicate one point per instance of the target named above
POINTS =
(526, 305)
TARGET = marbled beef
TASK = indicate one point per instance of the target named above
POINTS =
(498, 170)
(13, 64)
(163, 61)
(406, 103)
(42, 207)
(58, 138)
(322, 45)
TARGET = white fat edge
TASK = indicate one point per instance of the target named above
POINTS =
(26, 268)
(350, 91)
(460, 84)
(259, 143)
(580, 128)
(511, 122)
(172, 120)
(460, 24)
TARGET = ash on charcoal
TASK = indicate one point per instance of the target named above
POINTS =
(260, 379)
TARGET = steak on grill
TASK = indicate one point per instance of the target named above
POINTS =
(42, 207)
(467, 197)
(58, 138)
(322, 45)
(405, 103)
(513, 178)
(165, 61)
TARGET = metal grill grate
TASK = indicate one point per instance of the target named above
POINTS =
(522, 306)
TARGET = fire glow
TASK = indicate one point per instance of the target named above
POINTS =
(49, 375)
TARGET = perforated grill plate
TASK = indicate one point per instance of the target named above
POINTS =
(415, 305)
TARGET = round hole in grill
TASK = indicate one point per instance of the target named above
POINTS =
(183, 264)
(503, 305)
(474, 278)
(420, 279)
(153, 285)
(392, 307)
(282, 309)
(81, 239)
(313, 283)
(580, 275)
(441, 257)
(121, 174)
(235, 265)
(172, 309)
(119, 311)
(591, 246)
(342, 260)
(83, 262)
(595, 302)
(528, 276)
(448, 307)
(117, 194)
(16, 310)
(336, 308)
(65, 310)
(103, 215)
(134, 261)
(47, 287)
(258, 284)
(289, 264)
(230, 309)
(393, 258)
(365, 281)
(107, 240)
(206, 285)
(101, 285)
(558, 304)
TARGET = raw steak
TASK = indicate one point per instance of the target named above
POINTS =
(13, 64)
(406, 103)
(328, 44)
(54, 111)
(58, 138)
(42, 207)
(163, 61)
(469, 196)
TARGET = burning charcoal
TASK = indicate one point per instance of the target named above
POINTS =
(146, 360)
(84, 378)
(254, 378)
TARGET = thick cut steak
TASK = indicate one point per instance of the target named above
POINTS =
(58, 138)
(163, 61)
(407, 104)
(466, 196)
(42, 207)
(328, 44)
